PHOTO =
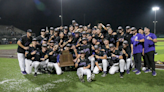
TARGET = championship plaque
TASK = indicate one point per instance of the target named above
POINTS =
(66, 59)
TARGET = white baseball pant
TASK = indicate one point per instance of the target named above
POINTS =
(21, 59)
(128, 62)
(103, 65)
(115, 67)
(51, 65)
(82, 71)
(30, 65)
(92, 60)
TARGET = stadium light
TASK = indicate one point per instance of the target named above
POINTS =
(155, 9)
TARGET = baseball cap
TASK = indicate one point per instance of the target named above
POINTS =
(127, 27)
(84, 39)
(69, 34)
(34, 39)
(51, 28)
(80, 26)
(44, 45)
(65, 27)
(96, 47)
(76, 24)
(119, 28)
(43, 30)
(125, 42)
(45, 39)
(51, 41)
(82, 52)
(56, 30)
(84, 32)
(108, 25)
(68, 45)
(111, 45)
(29, 30)
(133, 28)
(76, 32)
(73, 21)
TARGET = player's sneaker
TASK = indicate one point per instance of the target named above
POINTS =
(103, 75)
(135, 70)
(143, 68)
(127, 71)
(138, 72)
(89, 79)
(147, 71)
(24, 72)
(92, 76)
(35, 74)
(121, 75)
(81, 78)
(154, 73)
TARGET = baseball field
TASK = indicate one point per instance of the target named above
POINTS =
(11, 80)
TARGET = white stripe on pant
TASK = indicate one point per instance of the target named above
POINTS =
(82, 71)
(21, 59)
(56, 66)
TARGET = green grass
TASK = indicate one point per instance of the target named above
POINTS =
(9, 46)
(11, 80)
(160, 38)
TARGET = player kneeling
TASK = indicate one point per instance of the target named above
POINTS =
(118, 61)
(83, 65)
(54, 60)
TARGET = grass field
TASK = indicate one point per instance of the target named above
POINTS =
(11, 80)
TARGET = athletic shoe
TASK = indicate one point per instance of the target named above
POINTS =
(147, 71)
(103, 75)
(156, 53)
(89, 79)
(35, 74)
(154, 73)
(138, 72)
(143, 68)
(127, 71)
(92, 76)
(24, 72)
(81, 78)
(135, 70)
(121, 76)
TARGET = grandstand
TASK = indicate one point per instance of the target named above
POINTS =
(10, 34)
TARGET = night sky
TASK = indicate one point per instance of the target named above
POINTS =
(37, 14)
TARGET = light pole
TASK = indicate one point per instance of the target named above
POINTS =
(61, 16)
(155, 9)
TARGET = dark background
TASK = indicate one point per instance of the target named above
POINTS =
(37, 14)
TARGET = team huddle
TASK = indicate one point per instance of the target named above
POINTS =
(94, 50)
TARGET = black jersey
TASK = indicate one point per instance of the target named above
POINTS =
(122, 39)
(83, 62)
(29, 51)
(41, 54)
(114, 59)
(112, 39)
(87, 49)
(40, 39)
(25, 42)
(127, 37)
(75, 40)
(54, 58)
(107, 50)
(127, 50)
(99, 39)
(101, 53)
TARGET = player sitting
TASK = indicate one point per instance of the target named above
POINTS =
(83, 64)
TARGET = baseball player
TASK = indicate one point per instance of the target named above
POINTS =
(100, 61)
(83, 65)
(30, 56)
(54, 60)
(118, 61)
(136, 48)
(23, 44)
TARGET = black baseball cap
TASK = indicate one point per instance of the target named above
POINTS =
(133, 28)
(65, 27)
(76, 32)
(45, 39)
(43, 30)
(84, 39)
(69, 34)
(34, 39)
(80, 26)
(51, 28)
(29, 30)
(127, 27)
(120, 28)
(73, 21)
(125, 42)
(82, 52)
(68, 45)
(56, 30)
(111, 45)
(84, 32)
(108, 25)
(96, 47)
(44, 45)
(51, 41)
(76, 24)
